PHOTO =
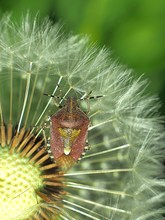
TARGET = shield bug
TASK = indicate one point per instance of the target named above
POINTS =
(68, 133)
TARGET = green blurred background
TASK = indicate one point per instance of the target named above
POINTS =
(134, 30)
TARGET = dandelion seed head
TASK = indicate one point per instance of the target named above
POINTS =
(119, 177)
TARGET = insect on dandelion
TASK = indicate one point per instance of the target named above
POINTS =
(68, 133)
(121, 177)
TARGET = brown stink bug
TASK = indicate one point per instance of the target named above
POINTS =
(68, 133)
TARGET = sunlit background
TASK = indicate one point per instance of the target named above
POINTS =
(133, 30)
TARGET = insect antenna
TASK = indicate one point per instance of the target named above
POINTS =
(87, 96)
(55, 97)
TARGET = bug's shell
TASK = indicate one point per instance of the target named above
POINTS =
(68, 133)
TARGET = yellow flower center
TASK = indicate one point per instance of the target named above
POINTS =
(18, 181)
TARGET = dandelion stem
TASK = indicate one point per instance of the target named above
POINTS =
(81, 212)
(65, 95)
(99, 205)
(11, 89)
(98, 172)
(1, 115)
(100, 124)
(79, 186)
(41, 95)
(31, 97)
(25, 98)
(107, 151)
(55, 89)
(88, 210)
